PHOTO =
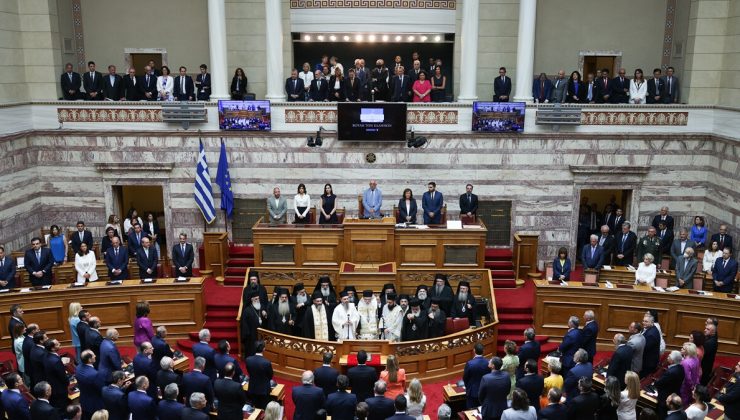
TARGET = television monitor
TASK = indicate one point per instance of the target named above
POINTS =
(371, 121)
(499, 117)
(244, 115)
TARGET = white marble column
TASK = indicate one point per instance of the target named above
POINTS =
(525, 50)
(469, 52)
(217, 43)
(274, 50)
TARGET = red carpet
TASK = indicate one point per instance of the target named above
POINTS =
(515, 309)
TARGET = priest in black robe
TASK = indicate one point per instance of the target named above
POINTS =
(326, 288)
(416, 323)
(254, 284)
(301, 301)
(422, 293)
(388, 289)
(463, 305)
(253, 316)
(281, 317)
(317, 322)
(442, 291)
(437, 319)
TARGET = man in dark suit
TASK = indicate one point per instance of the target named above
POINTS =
(625, 246)
(7, 270)
(352, 87)
(260, 375)
(666, 239)
(604, 91)
(81, 236)
(114, 397)
(589, 334)
(651, 353)
(307, 398)
(570, 344)
(532, 383)
(133, 87)
(294, 87)
(475, 369)
(147, 260)
(583, 368)
(319, 89)
(378, 82)
(400, 86)
(400, 404)
(16, 318)
(468, 202)
(203, 84)
(112, 85)
(110, 357)
(71, 82)
(204, 350)
(378, 406)
(655, 88)
(27, 347)
(680, 244)
(134, 240)
(730, 396)
(221, 358)
(167, 375)
(183, 256)
(607, 243)
(362, 377)
(92, 81)
(670, 381)
(620, 88)
(93, 339)
(325, 376)
(724, 272)
(493, 390)
(38, 356)
(722, 238)
(149, 85)
(38, 263)
(663, 217)
(228, 392)
(144, 366)
(585, 404)
(140, 404)
(161, 348)
(184, 87)
(196, 409)
(341, 404)
(710, 352)
(116, 259)
(197, 381)
(621, 360)
(592, 255)
(169, 408)
(675, 408)
(56, 375)
(529, 350)
(431, 203)
(554, 410)
(90, 383)
(15, 406)
(41, 408)
(671, 90)
(501, 86)
(541, 89)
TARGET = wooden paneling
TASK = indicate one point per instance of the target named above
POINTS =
(178, 306)
(525, 254)
(679, 312)
(216, 250)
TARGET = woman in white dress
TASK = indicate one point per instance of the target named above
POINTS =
(302, 206)
(165, 85)
(646, 271)
(85, 265)
(307, 76)
(638, 88)
(710, 256)
(628, 397)
(416, 400)
(698, 410)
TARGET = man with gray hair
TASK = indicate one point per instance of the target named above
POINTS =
(204, 350)
(141, 405)
(110, 358)
(571, 342)
(670, 381)
(169, 407)
(651, 354)
(41, 408)
(583, 368)
(196, 381)
(379, 406)
(663, 217)
(621, 360)
(166, 374)
(197, 404)
(679, 245)
(307, 398)
(444, 412)
(626, 242)
(161, 348)
(686, 268)
(637, 342)
(592, 255)
(529, 350)
(589, 334)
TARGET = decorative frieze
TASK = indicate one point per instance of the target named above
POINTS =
(634, 118)
(374, 4)
(107, 115)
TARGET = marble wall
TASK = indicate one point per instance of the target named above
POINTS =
(61, 176)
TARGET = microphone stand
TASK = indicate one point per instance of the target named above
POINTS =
(348, 323)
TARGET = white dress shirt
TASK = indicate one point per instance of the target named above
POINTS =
(302, 201)
(645, 274)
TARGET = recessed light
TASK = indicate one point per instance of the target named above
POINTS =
(398, 38)
(385, 38)
(333, 38)
(371, 38)
(411, 38)
(437, 38)
(320, 37)
(423, 38)
(346, 37)
(307, 38)
(358, 38)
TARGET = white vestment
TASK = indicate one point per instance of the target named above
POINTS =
(392, 322)
(340, 317)
(368, 319)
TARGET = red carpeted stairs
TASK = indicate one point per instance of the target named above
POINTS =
(515, 308)
(499, 261)
(241, 257)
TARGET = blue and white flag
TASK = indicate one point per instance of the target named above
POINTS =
(203, 191)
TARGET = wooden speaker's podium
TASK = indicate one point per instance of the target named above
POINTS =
(367, 276)
(369, 241)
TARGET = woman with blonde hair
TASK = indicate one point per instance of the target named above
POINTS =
(273, 411)
(394, 377)
(511, 362)
(416, 400)
(100, 415)
(554, 380)
(74, 319)
(628, 397)
(691, 370)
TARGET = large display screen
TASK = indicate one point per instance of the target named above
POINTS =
(375, 121)
(499, 116)
(244, 115)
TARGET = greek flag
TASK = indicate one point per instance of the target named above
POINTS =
(203, 192)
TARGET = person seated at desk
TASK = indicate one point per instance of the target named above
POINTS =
(372, 201)
(328, 207)
(407, 207)
(685, 269)
(646, 271)
(724, 272)
(561, 265)
(301, 206)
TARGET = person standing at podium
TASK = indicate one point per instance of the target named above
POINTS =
(372, 201)
(183, 256)
(302, 206)
(277, 206)
(345, 318)
(431, 203)
(468, 203)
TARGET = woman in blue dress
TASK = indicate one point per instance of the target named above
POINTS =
(57, 245)
(328, 207)
(699, 232)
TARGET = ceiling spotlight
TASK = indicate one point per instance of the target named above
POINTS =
(333, 38)
(358, 38)
(371, 38)
(411, 38)
(320, 37)
(307, 37)
(398, 38)
(346, 37)
(385, 38)
(437, 38)
(423, 38)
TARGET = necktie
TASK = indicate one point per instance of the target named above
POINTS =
(432, 195)
(38, 255)
(182, 85)
(669, 86)
(294, 82)
(2, 262)
(138, 237)
(70, 77)
(592, 251)
(542, 91)
(92, 76)
(470, 198)
(183, 249)
(147, 79)
(115, 251)
(590, 91)
(601, 242)
(724, 264)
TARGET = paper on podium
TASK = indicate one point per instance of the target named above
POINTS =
(454, 224)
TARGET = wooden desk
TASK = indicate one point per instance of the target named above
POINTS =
(622, 275)
(344, 357)
(454, 398)
(679, 312)
(277, 393)
(469, 415)
(66, 273)
(182, 364)
(178, 306)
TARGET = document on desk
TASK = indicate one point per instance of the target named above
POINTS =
(607, 267)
